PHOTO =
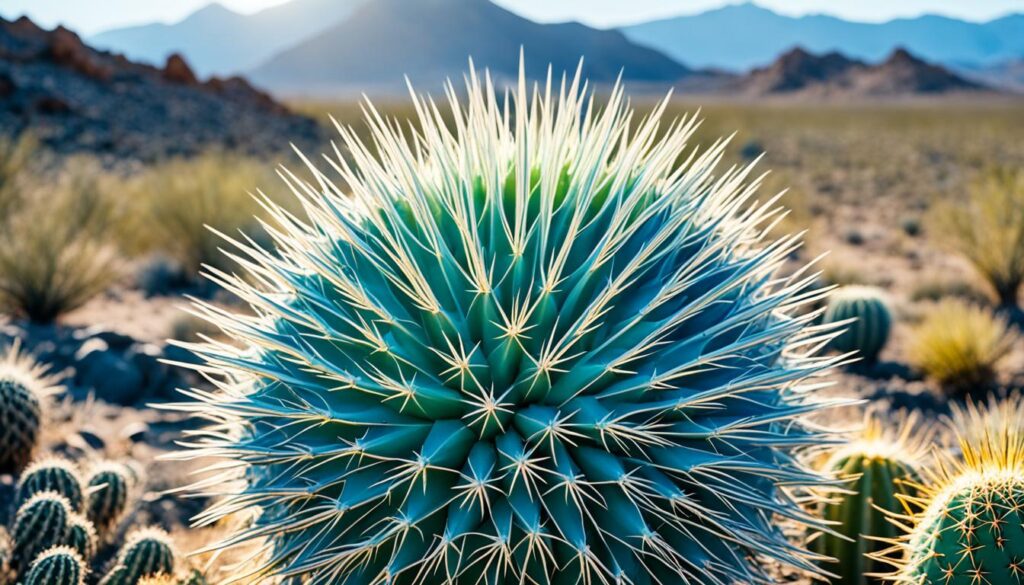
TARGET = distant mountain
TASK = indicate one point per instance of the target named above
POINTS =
(78, 99)
(218, 41)
(742, 36)
(800, 73)
(429, 40)
(1008, 75)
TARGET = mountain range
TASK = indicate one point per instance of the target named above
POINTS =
(741, 36)
(430, 40)
(219, 41)
(347, 46)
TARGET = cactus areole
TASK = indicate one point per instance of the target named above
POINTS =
(533, 340)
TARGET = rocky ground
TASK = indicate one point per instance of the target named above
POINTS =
(77, 99)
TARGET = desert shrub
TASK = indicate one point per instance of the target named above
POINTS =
(16, 156)
(55, 257)
(988, 229)
(176, 203)
(960, 345)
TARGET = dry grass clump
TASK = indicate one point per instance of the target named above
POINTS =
(988, 229)
(173, 203)
(54, 257)
(960, 346)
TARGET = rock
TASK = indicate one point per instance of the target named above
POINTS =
(91, 439)
(176, 70)
(113, 339)
(135, 432)
(112, 378)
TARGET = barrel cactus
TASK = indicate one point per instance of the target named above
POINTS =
(147, 552)
(869, 320)
(970, 529)
(24, 385)
(109, 483)
(878, 465)
(52, 474)
(535, 346)
(39, 524)
(60, 565)
(82, 537)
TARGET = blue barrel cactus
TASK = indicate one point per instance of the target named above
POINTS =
(533, 342)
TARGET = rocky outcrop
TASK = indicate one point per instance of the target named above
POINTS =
(76, 98)
(800, 73)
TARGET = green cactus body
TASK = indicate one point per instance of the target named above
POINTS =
(534, 350)
(861, 516)
(194, 577)
(59, 565)
(869, 333)
(147, 553)
(20, 416)
(972, 533)
(108, 496)
(40, 523)
(82, 537)
(51, 475)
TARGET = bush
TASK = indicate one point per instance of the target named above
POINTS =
(959, 346)
(53, 259)
(988, 230)
(175, 202)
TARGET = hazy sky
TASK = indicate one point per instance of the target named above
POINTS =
(93, 16)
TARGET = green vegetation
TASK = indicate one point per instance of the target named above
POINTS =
(60, 565)
(869, 320)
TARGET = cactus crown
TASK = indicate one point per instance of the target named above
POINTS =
(971, 519)
(545, 342)
(54, 474)
(82, 536)
(146, 552)
(60, 565)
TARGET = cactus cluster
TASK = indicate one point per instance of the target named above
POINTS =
(60, 565)
(537, 345)
(868, 319)
(878, 466)
(148, 552)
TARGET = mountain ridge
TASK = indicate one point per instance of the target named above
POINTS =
(702, 40)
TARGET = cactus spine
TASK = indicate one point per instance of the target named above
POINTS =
(54, 474)
(82, 537)
(59, 565)
(39, 524)
(880, 466)
(869, 331)
(147, 553)
(109, 484)
(971, 527)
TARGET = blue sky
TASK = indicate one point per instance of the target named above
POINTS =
(90, 16)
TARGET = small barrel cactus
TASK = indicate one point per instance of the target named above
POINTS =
(148, 552)
(53, 474)
(879, 465)
(23, 387)
(868, 333)
(82, 536)
(534, 344)
(109, 486)
(39, 524)
(971, 527)
(60, 565)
